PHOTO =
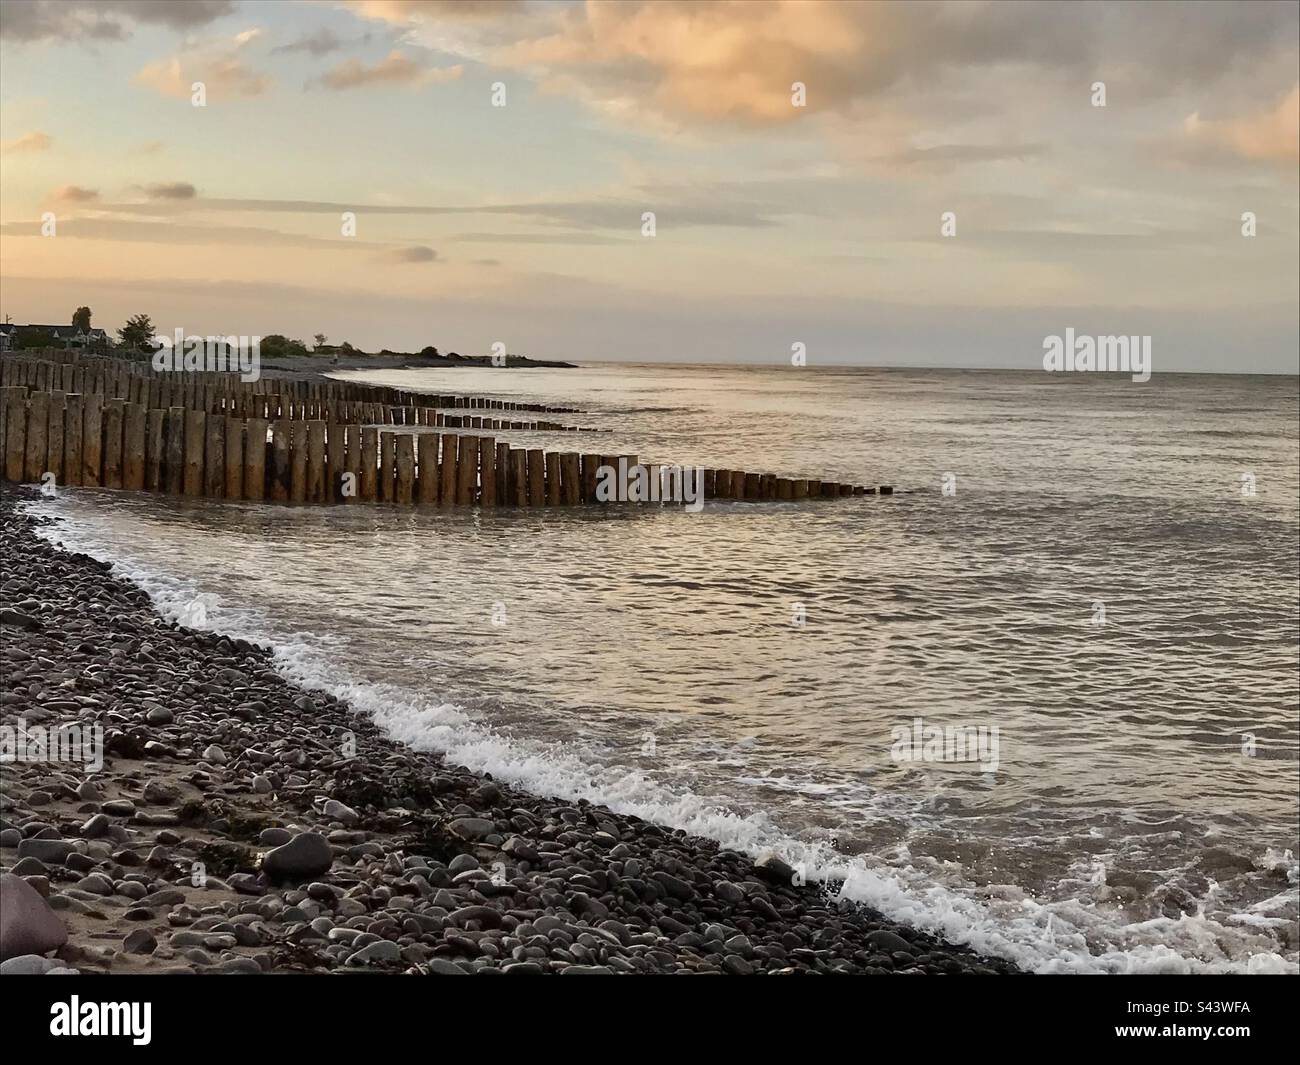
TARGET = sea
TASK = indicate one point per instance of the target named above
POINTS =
(1043, 700)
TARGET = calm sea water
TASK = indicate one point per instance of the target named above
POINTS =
(1098, 587)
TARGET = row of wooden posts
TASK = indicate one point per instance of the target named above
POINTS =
(223, 393)
(307, 442)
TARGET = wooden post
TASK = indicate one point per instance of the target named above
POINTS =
(467, 471)
(388, 463)
(54, 435)
(298, 460)
(554, 494)
(368, 464)
(571, 482)
(428, 468)
(316, 480)
(403, 491)
(72, 439)
(279, 475)
(133, 447)
(590, 464)
(36, 446)
(505, 495)
(255, 459)
(799, 489)
(195, 431)
(154, 421)
(234, 448)
(784, 488)
(214, 455)
(487, 464)
(536, 478)
(447, 492)
(518, 477)
(15, 424)
(335, 456)
(173, 449)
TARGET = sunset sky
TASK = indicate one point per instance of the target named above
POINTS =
(775, 224)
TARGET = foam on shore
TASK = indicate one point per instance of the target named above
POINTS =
(1077, 935)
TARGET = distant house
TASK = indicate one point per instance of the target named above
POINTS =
(70, 336)
(7, 331)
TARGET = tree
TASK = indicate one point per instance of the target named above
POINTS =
(320, 339)
(137, 333)
(81, 319)
(278, 346)
(429, 352)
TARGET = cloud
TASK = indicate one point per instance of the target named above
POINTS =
(667, 65)
(172, 190)
(1271, 135)
(75, 194)
(674, 207)
(36, 141)
(318, 43)
(225, 77)
(394, 69)
(416, 253)
(103, 20)
(138, 232)
(247, 37)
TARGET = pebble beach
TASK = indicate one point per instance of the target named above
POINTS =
(239, 824)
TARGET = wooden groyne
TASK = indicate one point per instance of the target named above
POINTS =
(70, 419)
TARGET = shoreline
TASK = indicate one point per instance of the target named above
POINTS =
(241, 824)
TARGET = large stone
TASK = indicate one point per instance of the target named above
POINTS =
(27, 924)
(49, 851)
(471, 828)
(774, 870)
(306, 856)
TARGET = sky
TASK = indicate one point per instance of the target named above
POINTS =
(780, 216)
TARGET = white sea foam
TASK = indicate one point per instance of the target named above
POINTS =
(1072, 936)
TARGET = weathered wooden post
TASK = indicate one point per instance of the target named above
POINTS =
(298, 460)
(428, 468)
(35, 446)
(554, 489)
(403, 490)
(369, 481)
(570, 478)
(519, 477)
(335, 454)
(173, 450)
(255, 459)
(316, 462)
(195, 432)
(214, 456)
(487, 464)
(387, 463)
(505, 495)
(536, 477)
(72, 439)
(590, 466)
(133, 447)
(15, 424)
(234, 451)
(54, 435)
(280, 474)
(467, 471)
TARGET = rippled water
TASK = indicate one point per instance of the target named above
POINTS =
(1098, 588)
